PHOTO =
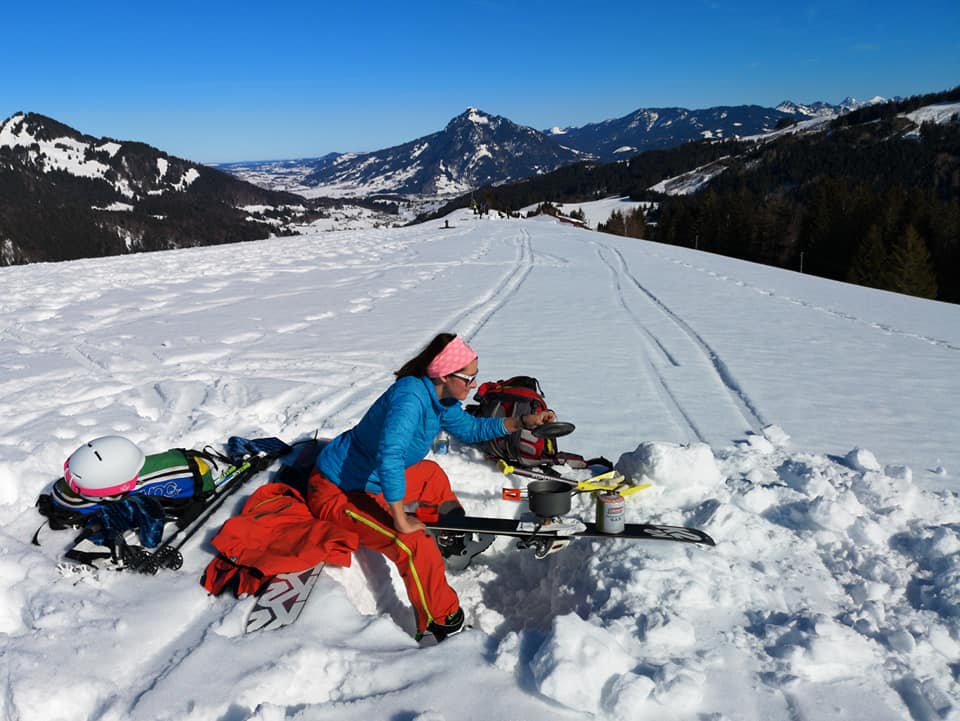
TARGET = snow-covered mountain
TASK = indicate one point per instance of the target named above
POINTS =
(813, 110)
(817, 118)
(69, 195)
(651, 128)
(809, 426)
(474, 149)
(133, 171)
(820, 108)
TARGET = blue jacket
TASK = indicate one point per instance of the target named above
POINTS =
(396, 433)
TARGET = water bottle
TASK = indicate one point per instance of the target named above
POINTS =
(441, 445)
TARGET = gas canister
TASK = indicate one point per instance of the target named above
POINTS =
(610, 512)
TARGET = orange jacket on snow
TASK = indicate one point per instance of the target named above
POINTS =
(274, 533)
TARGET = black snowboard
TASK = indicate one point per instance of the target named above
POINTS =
(528, 529)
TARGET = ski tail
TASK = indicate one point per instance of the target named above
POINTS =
(280, 602)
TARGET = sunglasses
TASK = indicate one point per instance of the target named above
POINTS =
(468, 380)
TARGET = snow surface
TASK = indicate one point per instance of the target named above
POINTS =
(599, 211)
(116, 207)
(70, 155)
(66, 154)
(477, 117)
(809, 426)
(940, 113)
(692, 181)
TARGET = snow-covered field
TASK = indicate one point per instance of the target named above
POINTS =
(939, 113)
(599, 211)
(810, 427)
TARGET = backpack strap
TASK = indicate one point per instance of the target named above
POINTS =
(194, 467)
(57, 516)
(213, 458)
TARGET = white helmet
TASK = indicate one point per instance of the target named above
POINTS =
(104, 467)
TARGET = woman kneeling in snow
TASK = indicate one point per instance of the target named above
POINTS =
(366, 475)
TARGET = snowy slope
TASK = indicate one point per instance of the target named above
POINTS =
(809, 426)
(939, 113)
(49, 146)
(819, 121)
(599, 211)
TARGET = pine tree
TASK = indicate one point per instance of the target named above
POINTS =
(634, 223)
(911, 267)
(614, 225)
(870, 263)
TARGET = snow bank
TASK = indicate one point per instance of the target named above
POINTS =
(577, 662)
(685, 472)
(862, 460)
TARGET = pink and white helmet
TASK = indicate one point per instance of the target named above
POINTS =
(105, 466)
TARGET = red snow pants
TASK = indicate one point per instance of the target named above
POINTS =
(415, 554)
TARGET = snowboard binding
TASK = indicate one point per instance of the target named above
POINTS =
(549, 534)
(459, 549)
(543, 546)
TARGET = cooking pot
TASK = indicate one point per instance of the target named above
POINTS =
(548, 499)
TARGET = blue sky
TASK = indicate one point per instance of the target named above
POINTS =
(217, 81)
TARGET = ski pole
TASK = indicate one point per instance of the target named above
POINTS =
(167, 552)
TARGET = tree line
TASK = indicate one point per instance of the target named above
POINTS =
(881, 214)
(591, 181)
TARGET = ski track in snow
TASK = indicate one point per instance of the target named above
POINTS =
(668, 398)
(881, 327)
(832, 592)
(752, 417)
(156, 668)
(619, 268)
(472, 319)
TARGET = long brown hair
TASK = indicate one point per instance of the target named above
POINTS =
(417, 366)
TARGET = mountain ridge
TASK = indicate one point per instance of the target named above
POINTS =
(450, 161)
(473, 149)
(69, 195)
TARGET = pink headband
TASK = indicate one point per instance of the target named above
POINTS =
(455, 356)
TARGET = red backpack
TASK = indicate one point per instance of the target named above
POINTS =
(515, 397)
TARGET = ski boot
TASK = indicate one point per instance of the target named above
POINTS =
(452, 625)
